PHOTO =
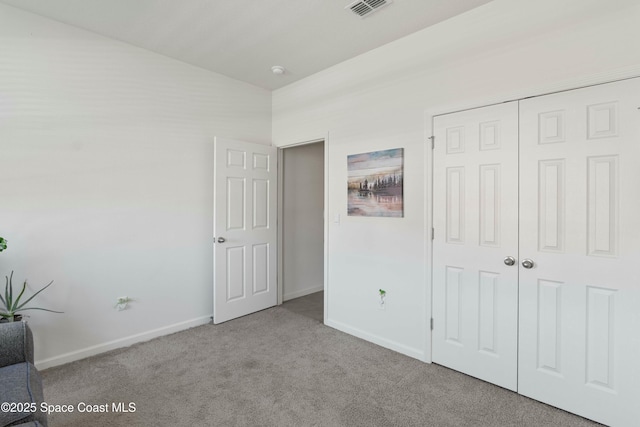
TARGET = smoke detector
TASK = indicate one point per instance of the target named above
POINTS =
(278, 70)
(364, 8)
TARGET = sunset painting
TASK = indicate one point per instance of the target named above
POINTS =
(375, 183)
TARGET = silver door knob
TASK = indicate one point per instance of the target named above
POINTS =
(509, 260)
(221, 240)
(527, 263)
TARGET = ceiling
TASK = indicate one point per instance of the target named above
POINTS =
(242, 39)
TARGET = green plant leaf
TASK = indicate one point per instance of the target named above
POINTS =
(17, 300)
(12, 306)
(37, 308)
(6, 290)
(32, 296)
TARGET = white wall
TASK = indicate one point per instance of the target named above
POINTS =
(383, 99)
(107, 181)
(303, 223)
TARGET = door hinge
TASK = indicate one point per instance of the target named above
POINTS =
(432, 323)
(433, 142)
(433, 233)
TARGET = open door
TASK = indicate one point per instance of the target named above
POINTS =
(244, 226)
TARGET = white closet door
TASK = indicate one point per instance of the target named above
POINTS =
(475, 294)
(580, 225)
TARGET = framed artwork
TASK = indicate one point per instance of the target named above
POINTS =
(375, 183)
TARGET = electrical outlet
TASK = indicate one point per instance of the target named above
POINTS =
(122, 303)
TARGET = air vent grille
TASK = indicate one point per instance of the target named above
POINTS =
(366, 7)
(376, 3)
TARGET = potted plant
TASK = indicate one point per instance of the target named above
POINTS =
(3, 244)
(9, 305)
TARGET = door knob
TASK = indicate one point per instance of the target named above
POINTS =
(527, 263)
(221, 240)
(509, 260)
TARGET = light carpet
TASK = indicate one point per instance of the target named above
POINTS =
(282, 367)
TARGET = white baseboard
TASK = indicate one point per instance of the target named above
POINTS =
(391, 345)
(302, 292)
(121, 342)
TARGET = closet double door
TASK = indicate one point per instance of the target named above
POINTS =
(537, 245)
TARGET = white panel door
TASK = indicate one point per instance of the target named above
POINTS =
(580, 226)
(475, 294)
(244, 225)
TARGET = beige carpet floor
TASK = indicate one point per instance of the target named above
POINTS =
(282, 367)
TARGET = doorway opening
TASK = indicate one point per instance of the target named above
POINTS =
(302, 228)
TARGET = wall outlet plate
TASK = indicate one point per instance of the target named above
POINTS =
(122, 303)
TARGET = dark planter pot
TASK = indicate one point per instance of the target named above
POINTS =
(16, 318)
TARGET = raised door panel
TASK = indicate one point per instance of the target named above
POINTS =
(453, 304)
(261, 189)
(488, 316)
(454, 215)
(236, 277)
(489, 209)
(551, 202)
(549, 327)
(602, 205)
(236, 195)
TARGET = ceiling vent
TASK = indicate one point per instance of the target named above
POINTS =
(364, 8)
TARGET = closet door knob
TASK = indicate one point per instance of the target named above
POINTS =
(527, 263)
(509, 260)
(221, 240)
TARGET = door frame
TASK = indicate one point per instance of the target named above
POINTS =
(280, 207)
(457, 106)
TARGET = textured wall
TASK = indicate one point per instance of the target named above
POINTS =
(107, 181)
(503, 50)
(303, 223)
